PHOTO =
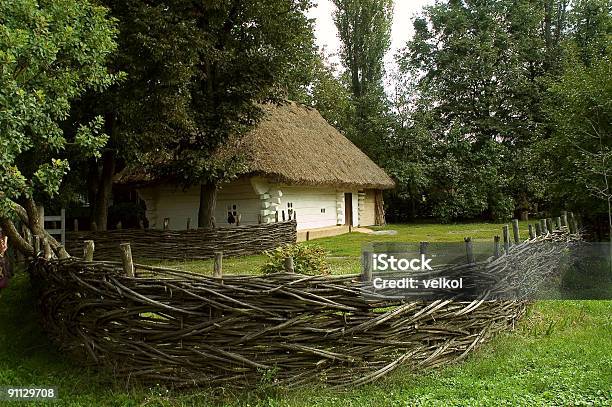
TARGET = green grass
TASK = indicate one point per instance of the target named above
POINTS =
(560, 354)
(344, 250)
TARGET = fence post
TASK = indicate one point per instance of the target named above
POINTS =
(543, 227)
(188, 223)
(283, 213)
(276, 216)
(126, 258)
(564, 218)
(88, 250)
(506, 239)
(289, 265)
(558, 222)
(531, 235)
(238, 219)
(515, 231)
(538, 229)
(307, 235)
(496, 246)
(218, 268)
(423, 246)
(62, 253)
(549, 225)
(469, 249)
(294, 216)
(259, 219)
(166, 223)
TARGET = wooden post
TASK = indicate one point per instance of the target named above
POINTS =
(62, 253)
(549, 225)
(75, 224)
(238, 219)
(572, 225)
(423, 247)
(564, 218)
(515, 231)
(307, 235)
(166, 223)
(366, 276)
(126, 258)
(218, 268)
(469, 249)
(289, 265)
(188, 223)
(496, 252)
(259, 219)
(558, 222)
(531, 234)
(88, 250)
(283, 213)
(538, 229)
(543, 227)
(276, 216)
(506, 239)
(94, 226)
(294, 216)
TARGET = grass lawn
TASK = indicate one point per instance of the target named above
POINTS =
(560, 354)
(344, 250)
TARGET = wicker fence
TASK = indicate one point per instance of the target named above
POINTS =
(185, 244)
(185, 329)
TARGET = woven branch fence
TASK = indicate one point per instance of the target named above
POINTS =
(185, 244)
(185, 329)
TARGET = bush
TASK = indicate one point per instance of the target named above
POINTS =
(306, 259)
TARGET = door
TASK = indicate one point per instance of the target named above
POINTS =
(348, 208)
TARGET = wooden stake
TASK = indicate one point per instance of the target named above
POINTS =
(558, 222)
(283, 213)
(289, 265)
(549, 225)
(515, 231)
(88, 250)
(531, 234)
(166, 223)
(276, 216)
(564, 219)
(469, 249)
(188, 223)
(307, 235)
(506, 239)
(543, 227)
(496, 253)
(238, 219)
(62, 253)
(218, 268)
(126, 258)
(423, 247)
(538, 229)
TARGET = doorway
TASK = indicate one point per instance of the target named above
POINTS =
(348, 209)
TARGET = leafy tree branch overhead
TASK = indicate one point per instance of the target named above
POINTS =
(50, 53)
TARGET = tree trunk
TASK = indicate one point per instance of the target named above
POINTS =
(105, 187)
(208, 201)
(14, 238)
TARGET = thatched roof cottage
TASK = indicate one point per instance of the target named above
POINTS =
(299, 165)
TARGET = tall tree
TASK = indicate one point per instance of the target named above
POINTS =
(364, 28)
(481, 70)
(50, 53)
(228, 56)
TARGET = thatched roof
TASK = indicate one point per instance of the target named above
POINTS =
(294, 144)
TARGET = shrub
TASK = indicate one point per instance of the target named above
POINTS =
(306, 259)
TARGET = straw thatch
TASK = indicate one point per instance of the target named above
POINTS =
(294, 144)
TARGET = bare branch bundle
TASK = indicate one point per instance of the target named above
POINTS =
(185, 329)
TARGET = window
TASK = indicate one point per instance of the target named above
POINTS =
(289, 204)
(232, 213)
(322, 210)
